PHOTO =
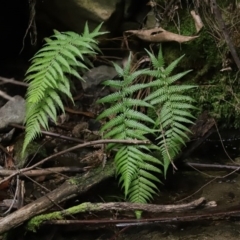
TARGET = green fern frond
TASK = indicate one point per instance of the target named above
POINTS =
(172, 66)
(128, 123)
(173, 108)
(138, 170)
(156, 62)
(47, 76)
(126, 165)
(143, 187)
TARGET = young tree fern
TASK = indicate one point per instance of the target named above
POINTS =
(134, 164)
(64, 54)
(172, 106)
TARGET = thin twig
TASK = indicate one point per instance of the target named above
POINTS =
(6, 96)
(13, 81)
(212, 180)
(46, 133)
(14, 199)
(92, 143)
(42, 172)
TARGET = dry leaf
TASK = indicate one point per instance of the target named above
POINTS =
(160, 35)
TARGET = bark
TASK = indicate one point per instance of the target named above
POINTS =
(67, 190)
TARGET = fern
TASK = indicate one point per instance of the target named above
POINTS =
(172, 107)
(48, 76)
(66, 54)
(134, 164)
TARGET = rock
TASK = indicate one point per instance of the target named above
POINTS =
(97, 75)
(73, 14)
(12, 112)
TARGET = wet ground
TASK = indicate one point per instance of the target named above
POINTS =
(214, 186)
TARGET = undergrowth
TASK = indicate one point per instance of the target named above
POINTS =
(136, 167)
(139, 172)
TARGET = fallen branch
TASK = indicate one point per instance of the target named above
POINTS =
(118, 206)
(92, 143)
(6, 96)
(221, 215)
(67, 190)
(13, 81)
(41, 172)
(213, 166)
(51, 134)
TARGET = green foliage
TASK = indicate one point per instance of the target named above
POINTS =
(219, 96)
(136, 167)
(48, 76)
(134, 164)
(172, 107)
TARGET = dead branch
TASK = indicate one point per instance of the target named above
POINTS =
(220, 215)
(118, 206)
(6, 96)
(213, 166)
(51, 134)
(92, 143)
(41, 172)
(13, 81)
(67, 190)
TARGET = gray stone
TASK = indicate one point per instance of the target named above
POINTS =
(97, 75)
(73, 14)
(12, 112)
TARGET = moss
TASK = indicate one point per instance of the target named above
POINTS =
(220, 96)
(205, 55)
(35, 222)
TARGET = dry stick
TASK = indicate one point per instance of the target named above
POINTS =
(126, 206)
(211, 166)
(6, 96)
(92, 143)
(133, 222)
(67, 190)
(224, 149)
(121, 206)
(13, 81)
(46, 133)
(41, 172)
(14, 199)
